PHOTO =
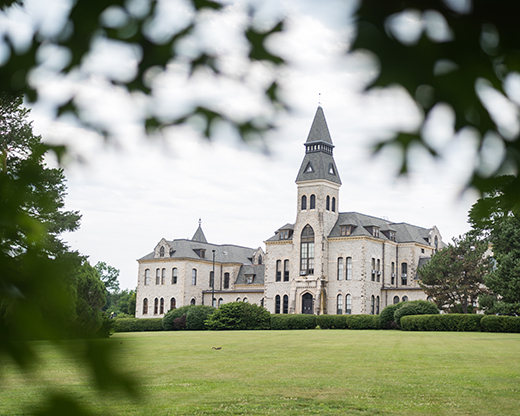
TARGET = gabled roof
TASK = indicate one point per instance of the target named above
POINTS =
(276, 236)
(257, 271)
(199, 235)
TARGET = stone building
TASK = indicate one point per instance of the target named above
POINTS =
(326, 262)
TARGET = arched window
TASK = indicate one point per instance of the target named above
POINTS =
(238, 300)
(349, 268)
(172, 303)
(277, 304)
(327, 203)
(226, 280)
(163, 276)
(377, 305)
(396, 300)
(156, 306)
(378, 274)
(333, 204)
(436, 243)
(339, 305)
(304, 202)
(147, 277)
(429, 298)
(372, 302)
(285, 304)
(259, 259)
(393, 274)
(157, 276)
(192, 302)
(246, 300)
(211, 279)
(145, 306)
(278, 270)
(161, 307)
(262, 302)
(404, 274)
(174, 276)
(313, 202)
(161, 252)
(348, 304)
(405, 298)
(220, 302)
(307, 251)
(214, 302)
(340, 268)
(286, 270)
(193, 277)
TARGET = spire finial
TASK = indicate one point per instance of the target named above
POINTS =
(200, 222)
(319, 98)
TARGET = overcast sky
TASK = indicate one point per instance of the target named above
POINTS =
(134, 191)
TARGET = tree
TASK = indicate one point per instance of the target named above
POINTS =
(109, 276)
(454, 276)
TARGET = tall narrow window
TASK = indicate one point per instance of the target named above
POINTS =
(304, 202)
(161, 307)
(163, 276)
(339, 305)
(220, 302)
(349, 268)
(277, 304)
(157, 276)
(145, 306)
(327, 203)
(396, 300)
(313, 201)
(193, 277)
(278, 270)
(161, 252)
(286, 270)
(192, 301)
(377, 305)
(226, 280)
(348, 304)
(373, 270)
(285, 304)
(372, 302)
(436, 243)
(147, 277)
(172, 303)
(333, 204)
(404, 274)
(393, 273)
(174, 276)
(259, 259)
(405, 298)
(378, 274)
(155, 306)
(214, 302)
(307, 251)
(211, 279)
(340, 268)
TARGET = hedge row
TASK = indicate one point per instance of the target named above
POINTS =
(138, 325)
(362, 321)
(447, 322)
(492, 323)
(300, 321)
(331, 321)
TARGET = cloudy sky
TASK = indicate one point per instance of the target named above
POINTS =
(133, 191)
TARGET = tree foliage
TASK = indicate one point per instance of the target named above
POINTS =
(108, 275)
(239, 316)
(454, 276)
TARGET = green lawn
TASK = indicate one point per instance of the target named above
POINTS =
(317, 372)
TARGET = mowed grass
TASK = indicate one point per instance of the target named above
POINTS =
(316, 372)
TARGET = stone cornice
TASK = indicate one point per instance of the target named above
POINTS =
(185, 259)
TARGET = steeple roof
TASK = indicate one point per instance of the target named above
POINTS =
(318, 162)
(199, 235)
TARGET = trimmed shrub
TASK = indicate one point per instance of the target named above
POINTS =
(448, 322)
(239, 316)
(299, 321)
(415, 307)
(331, 321)
(179, 323)
(138, 325)
(386, 319)
(492, 323)
(362, 321)
(171, 315)
(196, 316)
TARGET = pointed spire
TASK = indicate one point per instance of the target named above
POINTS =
(199, 234)
(319, 130)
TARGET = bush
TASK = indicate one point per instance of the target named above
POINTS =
(448, 322)
(362, 321)
(138, 325)
(386, 319)
(415, 307)
(331, 321)
(179, 323)
(299, 321)
(239, 316)
(492, 323)
(107, 327)
(172, 314)
(196, 315)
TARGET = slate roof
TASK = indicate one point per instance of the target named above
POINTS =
(422, 262)
(199, 235)
(256, 270)
(276, 236)
(318, 153)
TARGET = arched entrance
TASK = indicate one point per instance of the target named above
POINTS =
(307, 304)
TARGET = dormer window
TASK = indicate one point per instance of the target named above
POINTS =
(285, 234)
(161, 252)
(249, 278)
(391, 235)
(345, 230)
(375, 232)
(200, 252)
(332, 171)
(309, 168)
(172, 252)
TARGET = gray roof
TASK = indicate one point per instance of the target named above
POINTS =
(256, 270)
(276, 236)
(199, 235)
(318, 162)
(423, 261)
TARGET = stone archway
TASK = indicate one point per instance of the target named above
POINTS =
(307, 304)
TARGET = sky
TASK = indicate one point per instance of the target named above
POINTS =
(134, 190)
